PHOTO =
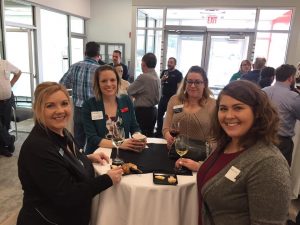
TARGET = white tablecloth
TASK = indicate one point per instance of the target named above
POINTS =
(295, 167)
(137, 201)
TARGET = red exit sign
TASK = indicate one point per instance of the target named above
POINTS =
(212, 19)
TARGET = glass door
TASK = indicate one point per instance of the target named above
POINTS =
(186, 47)
(19, 51)
(224, 55)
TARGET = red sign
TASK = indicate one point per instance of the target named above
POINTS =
(212, 19)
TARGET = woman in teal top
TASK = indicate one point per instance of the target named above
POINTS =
(106, 107)
(245, 67)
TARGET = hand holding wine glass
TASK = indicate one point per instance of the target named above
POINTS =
(118, 137)
(165, 77)
(182, 148)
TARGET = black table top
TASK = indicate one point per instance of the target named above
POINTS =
(152, 159)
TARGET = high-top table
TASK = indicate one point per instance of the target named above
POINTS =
(137, 200)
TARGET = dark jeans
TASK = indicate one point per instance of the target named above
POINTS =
(286, 146)
(162, 108)
(5, 117)
(79, 134)
(146, 118)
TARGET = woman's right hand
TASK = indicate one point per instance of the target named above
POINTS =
(133, 145)
(115, 174)
(188, 163)
(170, 140)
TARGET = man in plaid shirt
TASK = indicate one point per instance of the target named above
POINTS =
(79, 78)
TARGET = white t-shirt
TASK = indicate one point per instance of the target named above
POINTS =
(6, 68)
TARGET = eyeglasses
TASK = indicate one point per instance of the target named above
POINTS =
(195, 82)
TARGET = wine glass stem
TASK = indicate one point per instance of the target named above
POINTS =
(180, 164)
(117, 152)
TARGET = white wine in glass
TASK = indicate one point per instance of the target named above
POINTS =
(182, 148)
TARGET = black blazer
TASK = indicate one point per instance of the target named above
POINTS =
(58, 187)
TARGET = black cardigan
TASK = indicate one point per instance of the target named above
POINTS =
(57, 188)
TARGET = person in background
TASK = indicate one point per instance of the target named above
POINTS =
(99, 113)
(57, 178)
(146, 92)
(124, 83)
(287, 103)
(254, 74)
(170, 81)
(192, 108)
(245, 180)
(79, 78)
(245, 67)
(101, 63)
(116, 58)
(267, 75)
(6, 140)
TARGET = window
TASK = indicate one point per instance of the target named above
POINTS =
(54, 37)
(77, 25)
(274, 19)
(212, 18)
(17, 12)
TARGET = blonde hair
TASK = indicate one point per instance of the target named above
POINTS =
(42, 92)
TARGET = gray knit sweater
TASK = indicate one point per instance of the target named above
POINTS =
(260, 194)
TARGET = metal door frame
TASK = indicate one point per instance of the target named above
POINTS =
(207, 34)
(250, 34)
(184, 30)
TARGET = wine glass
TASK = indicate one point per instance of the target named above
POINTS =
(182, 148)
(174, 130)
(166, 75)
(118, 137)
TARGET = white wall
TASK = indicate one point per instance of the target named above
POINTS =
(111, 22)
(75, 7)
(293, 54)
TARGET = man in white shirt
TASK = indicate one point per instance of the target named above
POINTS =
(6, 140)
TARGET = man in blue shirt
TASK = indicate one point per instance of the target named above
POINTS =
(288, 107)
(79, 78)
(254, 75)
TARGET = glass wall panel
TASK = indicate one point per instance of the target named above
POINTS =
(141, 19)
(150, 41)
(272, 46)
(212, 18)
(274, 19)
(54, 37)
(16, 40)
(140, 50)
(145, 15)
(77, 50)
(77, 25)
(17, 12)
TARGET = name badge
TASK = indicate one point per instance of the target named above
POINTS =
(177, 108)
(232, 173)
(97, 115)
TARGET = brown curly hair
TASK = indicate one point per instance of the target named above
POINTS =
(266, 120)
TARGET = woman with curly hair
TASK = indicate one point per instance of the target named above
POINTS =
(246, 180)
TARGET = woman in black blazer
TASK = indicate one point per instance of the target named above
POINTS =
(57, 178)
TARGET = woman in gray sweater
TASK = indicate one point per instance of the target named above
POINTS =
(246, 180)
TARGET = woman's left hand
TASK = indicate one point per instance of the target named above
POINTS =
(98, 157)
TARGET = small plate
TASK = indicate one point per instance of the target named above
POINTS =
(165, 179)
